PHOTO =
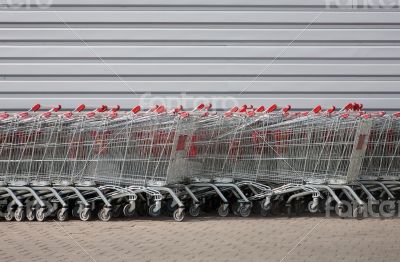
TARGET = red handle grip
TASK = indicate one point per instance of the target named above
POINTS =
(331, 110)
(397, 114)
(208, 106)
(35, 108)
(199, 107)
(46, 114)
(260, 109)
(4, 116)
(234, 109)
(160, 109)
(80, 108)
(272, 108)
(348, 107)
(56, 109)
(243, 109)
(116, 108)
(184, 114)
(68, 114)
(317, 109)
(153, 108)
(286, 108)
(102, 109)
(136, 109)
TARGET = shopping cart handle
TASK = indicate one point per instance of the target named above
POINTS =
(102, 109)
(177, 109)
(286, 108)
(90, 114)
(356, 107)
(23, 114)
(260, 109)
(199, 107)
(183, 114)
(208, 106)
(116, 108)
(397, 114)
(56, 109)
(80, 108)
(317, 109)
(136, 109)
(113, 114)
(46, 114)
(68, 114)
(251, 113)
(35, 108)
(348, 107)
(272, 108)
(234, 109)
(331, 109)
(4, 116)
(228, 114)
(243, 109)
(160, 109)
(153, 108)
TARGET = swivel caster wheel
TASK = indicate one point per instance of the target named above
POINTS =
(104, 214)
(223, 210)
(179, 215)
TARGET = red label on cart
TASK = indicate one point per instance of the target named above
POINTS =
(181, 142)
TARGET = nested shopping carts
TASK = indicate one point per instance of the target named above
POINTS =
(111, 162)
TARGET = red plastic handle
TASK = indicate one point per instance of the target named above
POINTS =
(35, 108)
(80, 108)
(4, 116)
(68, 114)
(317, 109)
(260, 109)
(116, 108)
(153, 108)
(46, 114)
(397, 114)
(234, 109)
(23, 114)
(348, 107)
(199, 107)
(102, 109)
(356, 107)
(208, 106)
(272, 108)
(228, 114)
(90, 114)
(56, 109)
(113, 114)
(184, 114)
(136, 109)
(160, 109)
(331, 109)
(286, 108)
(243, 109)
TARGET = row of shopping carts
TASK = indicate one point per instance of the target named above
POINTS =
(111, 163)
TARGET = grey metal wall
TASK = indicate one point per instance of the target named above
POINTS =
(127, 52)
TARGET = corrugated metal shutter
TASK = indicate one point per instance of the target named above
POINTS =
(173, 52)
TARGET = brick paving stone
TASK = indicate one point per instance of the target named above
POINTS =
(203, 239)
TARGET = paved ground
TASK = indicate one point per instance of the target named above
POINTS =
(203, 239)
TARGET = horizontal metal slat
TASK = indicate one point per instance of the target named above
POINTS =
(200, 52)
(227, 87)
(107, 69)
(149, 34)
(207, 17)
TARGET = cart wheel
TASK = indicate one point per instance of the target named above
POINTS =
(30, 215)
(179, 215)
(126, 211)
(310, 207)
(265, 207)
(223, 211)
(19, 214)
(153, 212)
(194, 210)
(244, 210)
(85, 214)
(9, 216)
(358, 212)
(104, 214)
(62, 214)
(40, 215)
